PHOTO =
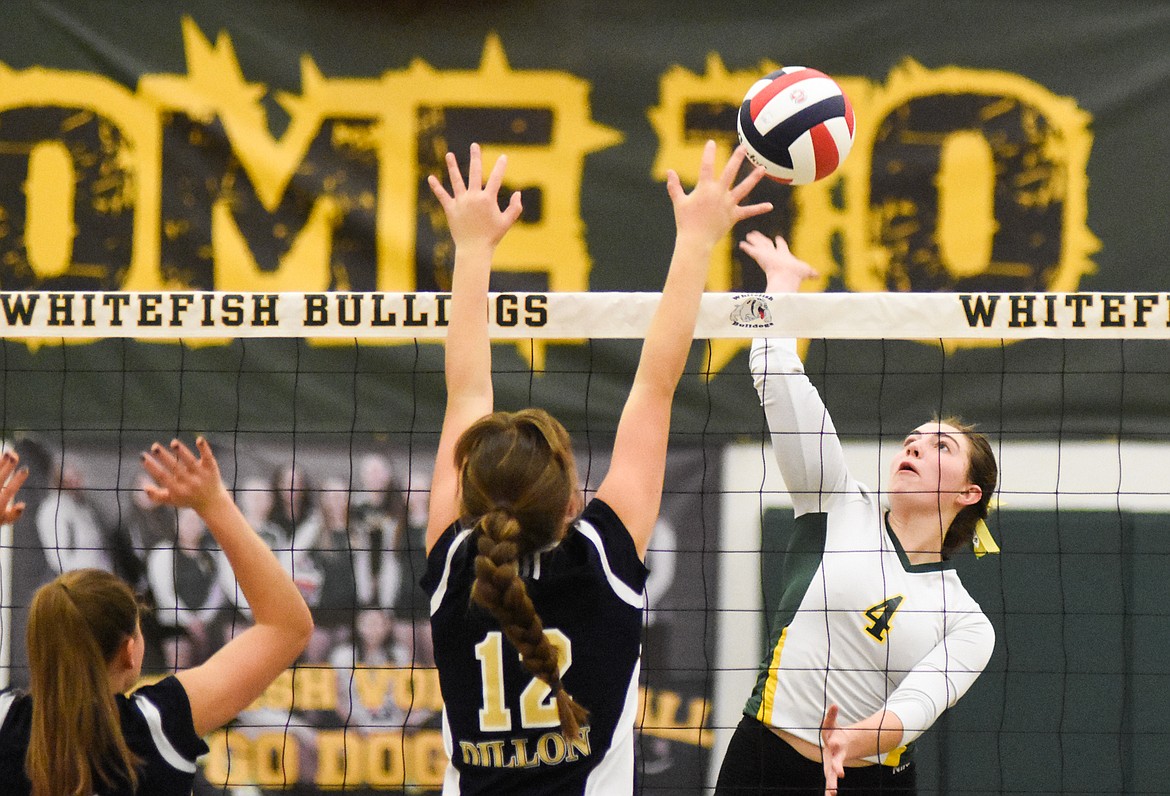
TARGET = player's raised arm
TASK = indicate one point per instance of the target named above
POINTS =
(477, 226)
(804, 439)
(240, 670)
(633, 485)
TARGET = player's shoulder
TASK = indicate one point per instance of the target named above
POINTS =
(601, 525)
(601, 532)
(441, 557)
(158, 722)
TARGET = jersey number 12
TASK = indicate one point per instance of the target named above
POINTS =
(538, 707)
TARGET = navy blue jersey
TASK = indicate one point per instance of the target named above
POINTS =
(500, 725)
(157, 723)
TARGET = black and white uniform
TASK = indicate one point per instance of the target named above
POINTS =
(500, 725)
(858, 625)
(157, 724)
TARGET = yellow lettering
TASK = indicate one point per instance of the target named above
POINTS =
(550, 749)
(427, 694)
(492, 753)
(966, 203)
(384, 763)
(304, 267)
(520, 758)
(50, 190)
(580, 744)
(277, 759)
(426, 761)
(1021, 148)
(388, 760)
(339, 758)
(278, 695)
(470, 753)
(922, 207)
(371, 684)
(316, 688)
(230, 761)
(660, 717)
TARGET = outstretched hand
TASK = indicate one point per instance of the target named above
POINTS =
(713, 206)
(783, 269)
(472, 207)
(180, 478)
(832, 750)
(12, 476)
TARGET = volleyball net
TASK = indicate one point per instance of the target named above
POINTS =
(324, 410)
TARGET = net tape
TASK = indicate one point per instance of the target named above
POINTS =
(377, 315)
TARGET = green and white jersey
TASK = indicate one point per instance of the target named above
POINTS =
(858, 625)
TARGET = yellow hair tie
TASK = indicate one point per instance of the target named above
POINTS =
(983, 541)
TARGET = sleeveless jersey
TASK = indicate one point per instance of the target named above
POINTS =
(157, 724)
(858, 625)
(500, 725)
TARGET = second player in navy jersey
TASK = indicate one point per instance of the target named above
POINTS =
(75, 730)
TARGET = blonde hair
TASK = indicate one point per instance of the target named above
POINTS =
(76, 625)
(518, 479)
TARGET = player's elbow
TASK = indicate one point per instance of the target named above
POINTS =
(304, 628)
(297, 630)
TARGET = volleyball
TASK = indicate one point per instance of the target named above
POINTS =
(797, 123)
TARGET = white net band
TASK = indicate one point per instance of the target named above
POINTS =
(891, 316)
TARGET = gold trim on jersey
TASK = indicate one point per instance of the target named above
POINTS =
(765, 712)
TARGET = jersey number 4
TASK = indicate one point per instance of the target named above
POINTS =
(538, 707)
(881, 615)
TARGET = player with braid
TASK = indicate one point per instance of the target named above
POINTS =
(532, 598)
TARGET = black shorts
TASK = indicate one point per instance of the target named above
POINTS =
(759, 762)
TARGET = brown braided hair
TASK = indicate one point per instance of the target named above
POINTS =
(518, 479)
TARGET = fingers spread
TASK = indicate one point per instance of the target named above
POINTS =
(515, 208)
(748, 211)
(475, 168)
(205, 449)
(155, 470)
(155, 493)
(457, 186)
(164, 458)
(707, 163)
(748, 183)
(731, 168)
(15, 482)
(438, 190)
(496, 178)
(8, 463)
(183, 454)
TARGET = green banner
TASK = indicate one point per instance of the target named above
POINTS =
(273, 146)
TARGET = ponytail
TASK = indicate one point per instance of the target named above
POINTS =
(519, 478)
(77, 623)
(981, 471)
(499, 588)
